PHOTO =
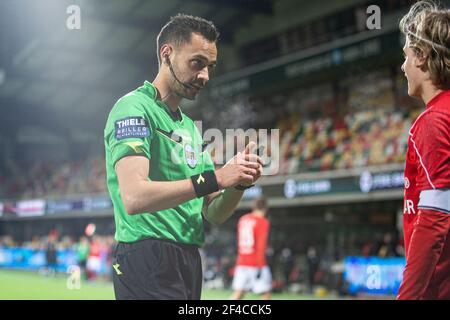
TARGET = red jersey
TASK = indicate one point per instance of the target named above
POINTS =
(95, 249)
(427, 166)
(253, 232)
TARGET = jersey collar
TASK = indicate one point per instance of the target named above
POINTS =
(153, 93)
(437, 97)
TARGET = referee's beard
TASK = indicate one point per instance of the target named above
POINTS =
(179, 90)
(177, 87)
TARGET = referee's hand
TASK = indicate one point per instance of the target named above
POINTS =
(243, 169)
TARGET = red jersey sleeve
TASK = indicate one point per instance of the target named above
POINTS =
(431, 141)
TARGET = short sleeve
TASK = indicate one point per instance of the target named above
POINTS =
(128, 130)
(432, 144)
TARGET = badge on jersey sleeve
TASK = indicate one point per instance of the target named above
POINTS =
(131, 127)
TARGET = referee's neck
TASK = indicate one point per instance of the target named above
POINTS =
(164, 93)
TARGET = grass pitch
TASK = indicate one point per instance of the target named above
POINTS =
(25, 285)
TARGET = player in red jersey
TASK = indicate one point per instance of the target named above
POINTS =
(252, 272)
(94, 262)
(426, 211)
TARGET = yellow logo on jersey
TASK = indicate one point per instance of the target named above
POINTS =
(136, 146)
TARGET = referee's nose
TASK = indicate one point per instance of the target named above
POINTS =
(203, 75)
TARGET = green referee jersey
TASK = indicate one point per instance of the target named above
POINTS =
(140, 124)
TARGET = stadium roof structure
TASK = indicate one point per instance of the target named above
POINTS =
(66, 80)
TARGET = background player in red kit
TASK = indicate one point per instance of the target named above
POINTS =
(427, 170)
(252, 272)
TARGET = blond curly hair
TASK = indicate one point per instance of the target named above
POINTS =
(427, 30)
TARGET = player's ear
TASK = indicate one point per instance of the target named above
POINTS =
(420, 58)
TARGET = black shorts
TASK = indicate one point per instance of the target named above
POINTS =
(153, 269)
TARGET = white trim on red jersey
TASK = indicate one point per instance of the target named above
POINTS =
(437, 199)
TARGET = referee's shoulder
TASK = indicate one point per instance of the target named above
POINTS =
(124, 105)
(133, 99)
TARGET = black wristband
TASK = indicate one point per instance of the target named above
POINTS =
(205, 183)
(241, 187)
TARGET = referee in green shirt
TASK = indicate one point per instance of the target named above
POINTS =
(159, 175)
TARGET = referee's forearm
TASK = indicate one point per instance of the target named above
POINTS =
(152, 196)
(223, 206)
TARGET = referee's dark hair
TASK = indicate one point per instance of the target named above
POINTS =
(179, 29)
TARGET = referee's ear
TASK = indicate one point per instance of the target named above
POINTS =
(165, 52)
